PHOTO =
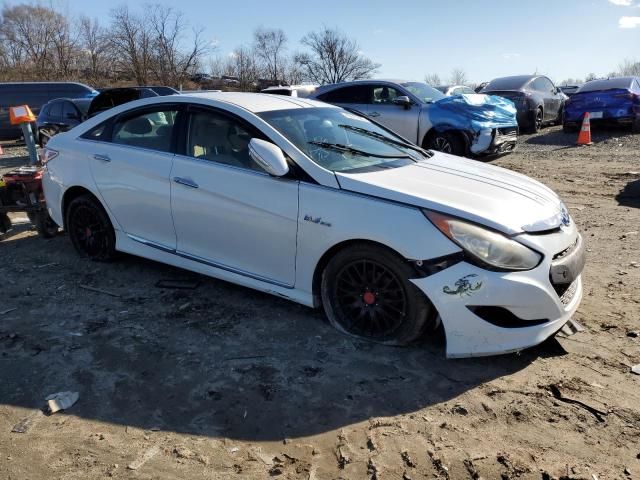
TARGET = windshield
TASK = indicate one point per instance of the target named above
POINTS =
(423, 91)
(342, 141)
(507, 83)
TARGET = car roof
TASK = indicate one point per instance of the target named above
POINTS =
(259, 102)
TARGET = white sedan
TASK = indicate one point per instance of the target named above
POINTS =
(319, 205)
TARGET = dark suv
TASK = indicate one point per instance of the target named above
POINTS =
(537, 99)
(60, 115)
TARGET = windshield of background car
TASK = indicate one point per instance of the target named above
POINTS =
(423, 91)
(596, 85)
(341, 141)
(507, 83)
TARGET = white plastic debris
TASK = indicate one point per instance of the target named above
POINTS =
(636, 369)
(61, 401)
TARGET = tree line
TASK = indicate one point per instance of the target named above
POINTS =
(156, 45)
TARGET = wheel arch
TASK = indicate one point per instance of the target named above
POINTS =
(71, 194)
(445, 128)
(332, 251)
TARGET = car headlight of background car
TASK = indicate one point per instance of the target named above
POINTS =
(486, 246)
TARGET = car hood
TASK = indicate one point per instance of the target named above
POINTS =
(478, 110)
(498, 198)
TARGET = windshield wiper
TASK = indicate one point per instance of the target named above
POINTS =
(347, 149)
(385, 139)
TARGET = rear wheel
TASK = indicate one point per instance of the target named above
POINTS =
(537, 121)
(366, 293)
(5, 223)
(446, 142)
(90, 229)
(45, 226)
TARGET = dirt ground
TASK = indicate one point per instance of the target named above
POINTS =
(221, 382)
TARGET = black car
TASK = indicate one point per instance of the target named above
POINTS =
(60, 115)
(112, 97)
(537, 99)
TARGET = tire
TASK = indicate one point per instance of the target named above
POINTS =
(45, 226)
(447, 142)
(635, 126)
(5, 223)
(90, 229)
(560, 118)
(538, 120)
(366, 293)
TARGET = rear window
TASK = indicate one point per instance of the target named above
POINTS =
(609, 84)
(507, 83)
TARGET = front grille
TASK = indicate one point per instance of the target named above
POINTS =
(508, 131)
(566, 251)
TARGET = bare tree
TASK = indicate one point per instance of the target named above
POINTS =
(242, 64)
(333, 58)
(95, 50)
(173, 63)
(30, 33)
(269, 46)
(432, 79)
(458, 77)
(629, 68)
(590, 76)
(131, 41)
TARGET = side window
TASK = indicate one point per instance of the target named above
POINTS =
(360, 94)
(152, 130)
(55, 109)
(384, 95)
(466, 90)
(97, 132)
(69, 112)
(219, 138)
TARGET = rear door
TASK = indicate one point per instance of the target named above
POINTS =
(131, 170)
(402, 120)
(228, 212)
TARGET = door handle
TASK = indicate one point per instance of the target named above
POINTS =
(374, 114)
(102, 158)
(186, 182)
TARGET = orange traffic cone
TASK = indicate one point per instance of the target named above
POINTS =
(584, 138)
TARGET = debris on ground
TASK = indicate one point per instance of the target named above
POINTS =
(144, 458)
(98, 290)
(178, 284)
(636, 369)
(61, 401)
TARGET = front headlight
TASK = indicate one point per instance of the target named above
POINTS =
(489, 247)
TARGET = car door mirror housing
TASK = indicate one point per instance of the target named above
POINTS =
(403, 101)
(268, 156)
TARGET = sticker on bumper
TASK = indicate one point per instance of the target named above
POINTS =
(463, 287)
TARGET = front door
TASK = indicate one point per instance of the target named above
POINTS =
(402, 120)
(227, 211)
(131, 169)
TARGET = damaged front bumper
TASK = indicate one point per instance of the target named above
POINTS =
(494, 141)
(487, 312)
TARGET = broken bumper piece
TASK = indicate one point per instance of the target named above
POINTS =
(487, 313)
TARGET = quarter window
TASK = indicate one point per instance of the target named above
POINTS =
(69, 111)
(152, 130)
(55, 110)
(221, 139)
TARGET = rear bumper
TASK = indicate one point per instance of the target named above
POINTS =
(626, 120)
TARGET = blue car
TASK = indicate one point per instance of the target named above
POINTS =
(614, 101)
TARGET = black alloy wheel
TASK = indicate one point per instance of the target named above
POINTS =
(90, 229)
(366, 293)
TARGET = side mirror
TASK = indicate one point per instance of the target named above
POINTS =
(269, 157)
(402, 100)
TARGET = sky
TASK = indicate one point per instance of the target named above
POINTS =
(487, 39)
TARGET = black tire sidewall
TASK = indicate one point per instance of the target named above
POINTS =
(419, 309)
(108, 252)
